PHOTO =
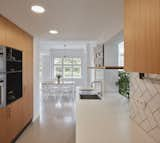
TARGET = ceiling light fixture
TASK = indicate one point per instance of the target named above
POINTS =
(53, 32)
(38, 9)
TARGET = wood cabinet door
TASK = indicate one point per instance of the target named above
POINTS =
(142, 36)
(2, 32)
(4, 120)
(15, 118)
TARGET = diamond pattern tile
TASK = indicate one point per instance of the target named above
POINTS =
(145, 103)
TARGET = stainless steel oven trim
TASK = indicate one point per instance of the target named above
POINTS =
(3, 79)
(4, 59)
(3, 97)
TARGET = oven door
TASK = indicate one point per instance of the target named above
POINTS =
(2, 94)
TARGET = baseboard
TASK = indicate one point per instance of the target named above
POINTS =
(35, 118)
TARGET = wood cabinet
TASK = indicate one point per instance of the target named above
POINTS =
(3, 128)
(142, 36)
(2, 32)
(16, 115)
(15, 119)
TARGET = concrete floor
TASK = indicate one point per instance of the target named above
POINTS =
(55, 125)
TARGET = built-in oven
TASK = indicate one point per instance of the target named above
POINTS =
(10, 75)
(14, 75)
(14, 86)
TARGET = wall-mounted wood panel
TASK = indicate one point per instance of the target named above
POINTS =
(142, 36)
(15, 116)
(2, 32)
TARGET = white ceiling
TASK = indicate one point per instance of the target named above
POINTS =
(47, 45)
(86, 20)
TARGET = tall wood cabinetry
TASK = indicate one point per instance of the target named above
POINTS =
(18, 114)
(142, 36)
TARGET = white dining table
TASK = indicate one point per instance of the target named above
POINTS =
(52, 87)
(55, 82)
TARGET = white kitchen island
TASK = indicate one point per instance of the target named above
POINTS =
(106, 121)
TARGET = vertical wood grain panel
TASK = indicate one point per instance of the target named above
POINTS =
(128, 34)
(2, 32)
(3, 128)
(142, 36)
(16, 115)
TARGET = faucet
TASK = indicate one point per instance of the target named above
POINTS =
(97, 82)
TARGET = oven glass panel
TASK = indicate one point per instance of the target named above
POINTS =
(14, 86)
(14, 74)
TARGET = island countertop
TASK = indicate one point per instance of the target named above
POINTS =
(106, 121)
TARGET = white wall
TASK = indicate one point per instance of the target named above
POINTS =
(111, 59)
(36, 92)
(90, 61)
(45, 60)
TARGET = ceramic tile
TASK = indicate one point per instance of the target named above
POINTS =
(145, 101)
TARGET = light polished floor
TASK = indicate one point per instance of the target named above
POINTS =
(105, 121)
(56, 123)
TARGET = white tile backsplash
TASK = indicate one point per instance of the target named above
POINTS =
(154, 103)
(157, 116)
(155, 134)
(145, 103)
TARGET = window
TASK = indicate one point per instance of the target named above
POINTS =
(121, 54)
(68, 67)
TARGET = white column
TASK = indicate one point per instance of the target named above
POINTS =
(36, 93)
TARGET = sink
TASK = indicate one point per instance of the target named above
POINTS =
(93, 97)
(89, 93)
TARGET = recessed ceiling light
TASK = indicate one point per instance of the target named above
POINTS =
(38, 9)
(53, 32)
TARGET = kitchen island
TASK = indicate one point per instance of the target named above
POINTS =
(106, 121)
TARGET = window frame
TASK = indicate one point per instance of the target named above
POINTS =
(121, 53)
(68, 65)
